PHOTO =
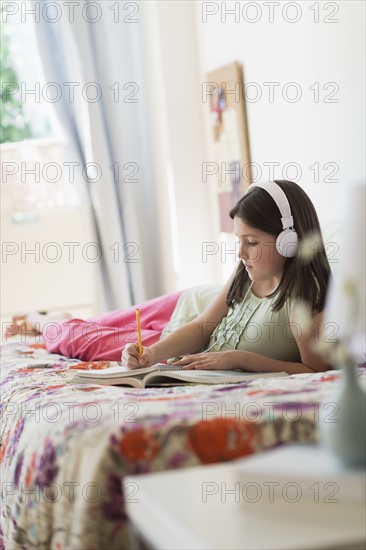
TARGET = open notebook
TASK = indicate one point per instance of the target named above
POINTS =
(114, 373)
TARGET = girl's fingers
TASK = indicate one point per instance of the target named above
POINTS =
(130, 356)
(187, 360)
(132, 359)
(133, 365)
(132, 350)
(144, 358)
(198, 365)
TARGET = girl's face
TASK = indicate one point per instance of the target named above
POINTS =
(258, 252)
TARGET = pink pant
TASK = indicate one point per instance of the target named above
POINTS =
(105, 336)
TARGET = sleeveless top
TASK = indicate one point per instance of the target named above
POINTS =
(252, 326)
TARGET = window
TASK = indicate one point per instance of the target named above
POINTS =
(24, 113)
(34, 172)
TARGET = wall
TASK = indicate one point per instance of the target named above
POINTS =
(318, 140)
(324, 131)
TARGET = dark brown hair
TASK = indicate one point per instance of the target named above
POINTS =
(302, 278)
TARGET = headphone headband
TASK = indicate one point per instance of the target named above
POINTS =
(287, 240)
(280, 199)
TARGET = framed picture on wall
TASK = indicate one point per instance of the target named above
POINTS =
(232, 168)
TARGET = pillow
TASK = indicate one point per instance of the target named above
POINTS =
(190, 304)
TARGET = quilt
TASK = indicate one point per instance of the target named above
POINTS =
(65, 448)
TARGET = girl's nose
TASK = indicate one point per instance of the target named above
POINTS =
(241, 252)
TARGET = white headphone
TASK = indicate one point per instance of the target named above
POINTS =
(286, 242)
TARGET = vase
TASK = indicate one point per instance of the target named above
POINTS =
(343, 432)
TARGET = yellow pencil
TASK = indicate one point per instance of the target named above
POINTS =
(139, 339)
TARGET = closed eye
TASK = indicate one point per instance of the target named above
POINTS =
(247, 243)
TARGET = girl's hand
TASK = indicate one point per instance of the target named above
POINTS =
(216, 360)
(132, 360)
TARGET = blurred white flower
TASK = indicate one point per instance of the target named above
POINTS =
(309, 246)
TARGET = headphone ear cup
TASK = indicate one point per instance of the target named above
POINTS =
(286, 243)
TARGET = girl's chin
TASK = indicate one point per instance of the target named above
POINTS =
(254, 276)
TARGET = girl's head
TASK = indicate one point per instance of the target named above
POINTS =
(257, 223)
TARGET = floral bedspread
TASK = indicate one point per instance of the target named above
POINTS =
(65, 448)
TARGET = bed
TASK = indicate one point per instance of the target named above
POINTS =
(65, 448)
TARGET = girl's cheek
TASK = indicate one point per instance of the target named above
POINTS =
(255, 255)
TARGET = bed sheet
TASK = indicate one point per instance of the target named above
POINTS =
(65, 448)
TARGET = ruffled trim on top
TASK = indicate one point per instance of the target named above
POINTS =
(229, 332)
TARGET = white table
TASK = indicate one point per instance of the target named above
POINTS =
(296, 497)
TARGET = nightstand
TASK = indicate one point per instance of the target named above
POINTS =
(295, 497)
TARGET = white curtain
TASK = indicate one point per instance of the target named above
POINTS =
(95, 57)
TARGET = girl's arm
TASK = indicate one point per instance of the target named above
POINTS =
(191, 338)
(254, 362)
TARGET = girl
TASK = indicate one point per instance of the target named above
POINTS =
(250, 324)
